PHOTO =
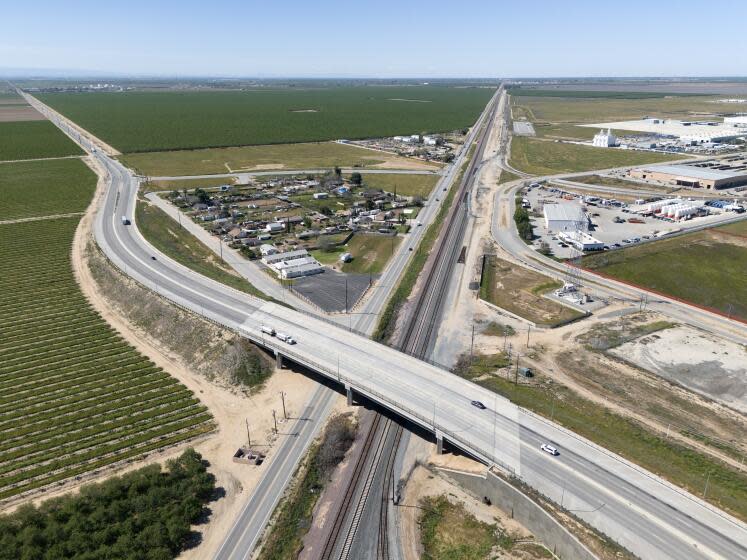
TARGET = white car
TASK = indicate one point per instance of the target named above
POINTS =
(549, 449)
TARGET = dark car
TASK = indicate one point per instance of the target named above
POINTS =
(478, 404)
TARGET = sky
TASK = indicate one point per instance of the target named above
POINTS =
(383, 39)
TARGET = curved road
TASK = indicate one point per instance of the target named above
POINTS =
(649, 516)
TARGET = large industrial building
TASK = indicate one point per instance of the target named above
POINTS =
(707, 175)
(688, 132)
(567, 216)
(739, 120)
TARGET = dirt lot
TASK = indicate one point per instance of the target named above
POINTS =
(712, 366)
(425, 483)
(567, 356)
(13, 113)
(519, 290)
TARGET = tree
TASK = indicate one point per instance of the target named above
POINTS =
(356, 178)
(326, 244)
(338, 172)
(202, 196)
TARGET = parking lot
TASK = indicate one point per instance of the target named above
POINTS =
(332, 290)
(609, 224)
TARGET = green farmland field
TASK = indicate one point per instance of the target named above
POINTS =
(541, 157)
(74, 397)
(42, 188)
(34, 139)
(406, 185)
(706, 268)
(154, 121)
(321, 155)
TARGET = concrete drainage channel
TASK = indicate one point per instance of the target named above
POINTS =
(525, 510)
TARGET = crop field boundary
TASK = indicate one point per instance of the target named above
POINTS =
(660, 294)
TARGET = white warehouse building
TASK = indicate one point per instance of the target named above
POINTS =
(738, 120)
(567, 216)
(604, 139)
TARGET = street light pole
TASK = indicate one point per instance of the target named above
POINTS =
(282, 398)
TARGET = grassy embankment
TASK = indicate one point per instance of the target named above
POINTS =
(519, 290)
(34, 139)
(387, 320)
(681, 465)
(706, 268)
(158, 121)
(293, 517)
(42, 188)
(166, 236)
(618, 183)
(507, 177)
(449, 532)
(274, 157)
(189, 184)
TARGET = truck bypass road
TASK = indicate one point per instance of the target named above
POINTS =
(649, 516)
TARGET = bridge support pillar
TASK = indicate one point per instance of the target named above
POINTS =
(349, 394)
(439, 443)
(278, 360)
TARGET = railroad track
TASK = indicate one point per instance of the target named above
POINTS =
(380, 451)
(420, 329)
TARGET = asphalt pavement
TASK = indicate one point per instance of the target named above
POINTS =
(649, 516)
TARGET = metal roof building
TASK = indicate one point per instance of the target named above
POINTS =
(568, 216)
(709, 177)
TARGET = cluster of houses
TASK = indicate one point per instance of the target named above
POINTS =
(280, 220)
(429, 147)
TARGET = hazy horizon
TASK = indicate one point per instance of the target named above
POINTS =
(387, 40)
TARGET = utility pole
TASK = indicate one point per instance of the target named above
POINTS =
(529, 329)
(220, 239)
(472, 345)
(275, 420)
(282, 398)
(248, 438)
(346, 294)
(516, 373)
(705, 490)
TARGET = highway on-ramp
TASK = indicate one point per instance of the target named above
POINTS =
(649, 516)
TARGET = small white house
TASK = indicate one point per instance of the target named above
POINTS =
(275, 227)
(267, 249)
